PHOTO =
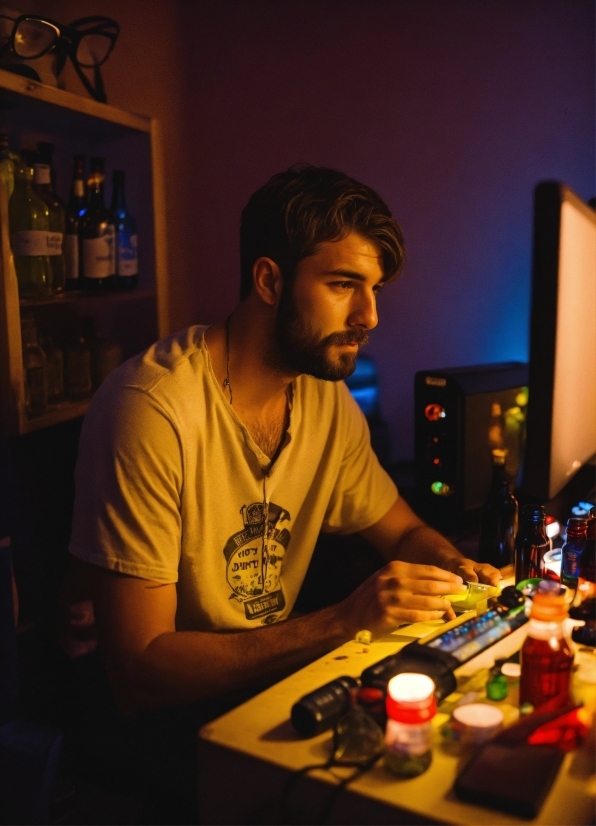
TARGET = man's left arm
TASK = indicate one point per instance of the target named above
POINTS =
(401, 535)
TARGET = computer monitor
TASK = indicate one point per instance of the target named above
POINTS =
(561, 417)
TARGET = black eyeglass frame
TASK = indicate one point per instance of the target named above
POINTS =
(66, 43)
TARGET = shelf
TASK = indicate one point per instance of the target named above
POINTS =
(80, 297)
(56, 414)
(17, 92)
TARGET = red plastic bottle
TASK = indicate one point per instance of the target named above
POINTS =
(546, 658)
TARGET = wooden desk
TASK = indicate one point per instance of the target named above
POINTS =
(247, 756)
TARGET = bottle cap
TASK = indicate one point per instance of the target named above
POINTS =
(576, 526)
(549, 606)
(411, 698)
(532, 512)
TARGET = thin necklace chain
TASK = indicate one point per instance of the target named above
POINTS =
(226, 381)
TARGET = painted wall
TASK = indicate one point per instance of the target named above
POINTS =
(452, 109)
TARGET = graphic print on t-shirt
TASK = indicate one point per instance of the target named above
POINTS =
(254, 558)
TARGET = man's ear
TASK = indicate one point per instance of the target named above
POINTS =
(267, 280)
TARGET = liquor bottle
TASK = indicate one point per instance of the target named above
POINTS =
(42, 185)
(75, 209)
(499, 518)
(7, 164)
(571, 551)
(531, 543)
(35, 366)
(54, 369)
(97, 235)
(586, 581)
(127, 266)
(29, 222)
(77, 373)
(546, 658)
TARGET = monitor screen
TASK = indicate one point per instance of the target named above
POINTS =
(561, 423)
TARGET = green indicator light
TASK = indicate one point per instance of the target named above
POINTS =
(440, 488)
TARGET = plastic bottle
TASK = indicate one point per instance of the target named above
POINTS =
(411, 706)
(546, 658)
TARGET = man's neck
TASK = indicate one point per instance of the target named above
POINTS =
(240, 351)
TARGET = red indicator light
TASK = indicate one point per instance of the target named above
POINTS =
(434, 412)
(436, 461)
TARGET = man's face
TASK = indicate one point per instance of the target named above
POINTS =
(324, 315)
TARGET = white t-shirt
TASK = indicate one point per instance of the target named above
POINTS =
(171, 487)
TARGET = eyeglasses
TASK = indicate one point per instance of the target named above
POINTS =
(88, 42)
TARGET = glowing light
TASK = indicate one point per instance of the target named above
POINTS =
(434, 412)
(410, 688)
(440, 488)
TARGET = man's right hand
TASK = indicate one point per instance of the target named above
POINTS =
(401, 592)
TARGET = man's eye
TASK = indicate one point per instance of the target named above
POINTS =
(344, 285)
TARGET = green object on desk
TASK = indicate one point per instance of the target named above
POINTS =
(497, 687)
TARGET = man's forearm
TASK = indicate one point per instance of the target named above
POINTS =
(191, 666)
(426, 546)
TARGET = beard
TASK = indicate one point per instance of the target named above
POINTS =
(301, 349)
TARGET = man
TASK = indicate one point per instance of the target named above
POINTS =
(209, 464)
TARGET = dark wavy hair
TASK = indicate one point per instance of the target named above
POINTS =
(288, 217)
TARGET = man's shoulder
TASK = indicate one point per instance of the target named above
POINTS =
(170, 359)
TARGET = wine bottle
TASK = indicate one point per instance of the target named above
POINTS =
(34, 366)
(127, 268)
(29, 222)
(75, 209)
(97, 235)
(531, 543)
(499, 518)
(7, 164)
(42, 185)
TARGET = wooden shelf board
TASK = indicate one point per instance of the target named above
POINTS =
(56, 414)
(79, 297)
(24, 87)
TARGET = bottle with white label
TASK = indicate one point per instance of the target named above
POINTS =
(29, 222)
(42, 185)
(75, 209)
(127, 266)
(97, 236)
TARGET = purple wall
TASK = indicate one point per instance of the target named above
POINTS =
(452, 109)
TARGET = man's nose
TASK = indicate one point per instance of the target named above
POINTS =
(364, 312)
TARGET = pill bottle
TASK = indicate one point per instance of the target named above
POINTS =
(411, 705)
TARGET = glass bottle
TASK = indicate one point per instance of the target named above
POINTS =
(127, 265)
(54, 369)
(29, 222)
(411, 706)
(499, 518)
(571, 551)
(75, 209)
(546, 658)
(586, 580)
(106, 354)
(358, 736)
(77, 371)
(42, 185)
(34, 367)
(531, 543)
(97, 235)
(7, 164)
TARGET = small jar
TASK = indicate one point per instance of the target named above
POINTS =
(411, 706)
